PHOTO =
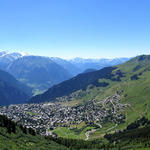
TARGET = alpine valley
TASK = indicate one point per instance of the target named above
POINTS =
(74, 104)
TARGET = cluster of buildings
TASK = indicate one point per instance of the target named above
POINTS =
(45, 116)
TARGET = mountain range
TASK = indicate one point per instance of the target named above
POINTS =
(84, 80)
(38, 72)
(41, 73)
(84, 64)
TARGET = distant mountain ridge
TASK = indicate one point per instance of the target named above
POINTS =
(41, 73)
(73, 66)
(78, 65)
(38, 72)
(97, 64)
(73, 69)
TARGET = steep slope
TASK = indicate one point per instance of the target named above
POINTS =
(18, 137)
(12, 91)
(80, 82)
(40, 73)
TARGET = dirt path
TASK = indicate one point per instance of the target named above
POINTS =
(87, 134)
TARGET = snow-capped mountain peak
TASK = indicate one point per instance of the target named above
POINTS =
(7, 57)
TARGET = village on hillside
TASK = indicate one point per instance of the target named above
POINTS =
(48, 116)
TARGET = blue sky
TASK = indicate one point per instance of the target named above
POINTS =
(76, 28)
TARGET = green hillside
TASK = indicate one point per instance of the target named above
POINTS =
(14, 137)
(131, 80)
(133, 86)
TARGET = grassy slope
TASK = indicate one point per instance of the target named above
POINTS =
(133, 92)
(20, 141)
(77, 131)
